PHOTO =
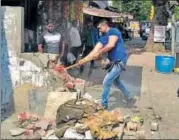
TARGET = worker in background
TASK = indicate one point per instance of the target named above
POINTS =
(51, 42)
(75, 39)
(90, 39)
(112, 43)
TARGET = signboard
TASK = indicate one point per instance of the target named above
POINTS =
(159, 34)
(134, 25)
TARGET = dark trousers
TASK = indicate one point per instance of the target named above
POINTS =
(87, 50)
(75, 51)
(63, 59)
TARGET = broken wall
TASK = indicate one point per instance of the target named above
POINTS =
(15, 70)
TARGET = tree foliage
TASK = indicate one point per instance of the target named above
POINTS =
(140, 9)
(176, 12)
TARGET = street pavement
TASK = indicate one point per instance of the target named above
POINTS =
(156, 92)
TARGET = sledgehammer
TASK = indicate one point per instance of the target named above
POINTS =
(75, 65)
(72, 66)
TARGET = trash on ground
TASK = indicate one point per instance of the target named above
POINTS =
(154, 126)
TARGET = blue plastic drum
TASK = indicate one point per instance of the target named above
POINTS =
(164, 64)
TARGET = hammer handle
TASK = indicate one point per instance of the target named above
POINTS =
(72, 66)
(75, 65)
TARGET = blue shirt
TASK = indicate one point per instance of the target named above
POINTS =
(119, 50)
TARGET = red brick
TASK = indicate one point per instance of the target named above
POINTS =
(28, 132)
(30, 127)
(70, 85)
(27, 116)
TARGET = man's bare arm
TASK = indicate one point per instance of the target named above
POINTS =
(91, 55)
(96, 50)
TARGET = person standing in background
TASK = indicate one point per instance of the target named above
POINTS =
(90, 39)
(75, 40)
(50, 42)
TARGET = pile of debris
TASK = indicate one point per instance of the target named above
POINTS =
(80, 118)
(85, 119)
(69, 81)
(30, 126)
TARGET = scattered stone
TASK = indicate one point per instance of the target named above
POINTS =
(154, 126)
(28, 132)
(127, 118)
(117, 113)
(25, 124)
(53, 137)
(27, 116)
(41, 132)
(42, 124)
(35, 136)
(78, 103)
(60, 132)
(79, 125)
(30, 127)
(81, 128)
(131, 126)
(71, 133)
(17, 131)
(70, 85)
(83, 103)
(48, 134)
(88, 135)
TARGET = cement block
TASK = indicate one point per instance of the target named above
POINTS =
(54, 100)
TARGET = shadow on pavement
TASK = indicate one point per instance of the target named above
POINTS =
(132, 79)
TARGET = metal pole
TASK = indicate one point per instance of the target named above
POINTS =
(173, 36)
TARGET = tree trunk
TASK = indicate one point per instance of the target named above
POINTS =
(151, 46)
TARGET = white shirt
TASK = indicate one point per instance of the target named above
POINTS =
(75, 37)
